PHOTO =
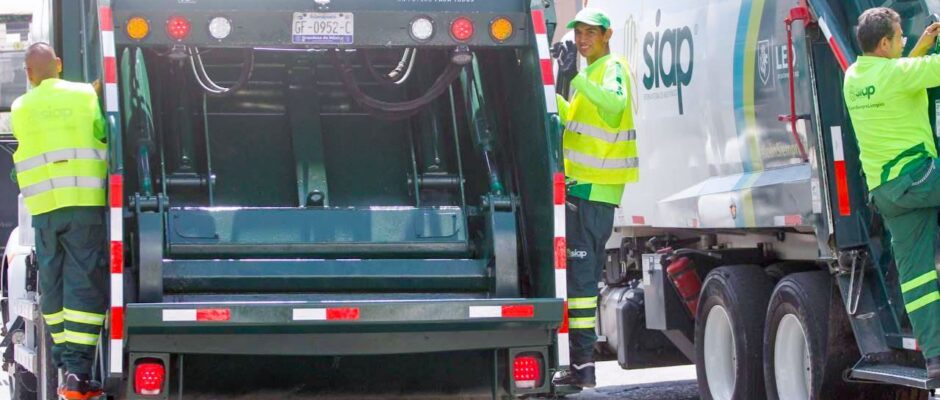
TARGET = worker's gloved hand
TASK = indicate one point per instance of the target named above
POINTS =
(567, 55)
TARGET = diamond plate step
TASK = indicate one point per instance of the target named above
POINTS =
(895, 375)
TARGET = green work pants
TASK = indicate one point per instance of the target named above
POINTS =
(909, 205)
(73, 282)
(588, 225)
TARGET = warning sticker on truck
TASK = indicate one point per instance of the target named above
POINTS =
(322, 28)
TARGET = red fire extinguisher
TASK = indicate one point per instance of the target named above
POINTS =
(684, 277)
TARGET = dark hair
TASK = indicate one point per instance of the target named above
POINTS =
(875, 24)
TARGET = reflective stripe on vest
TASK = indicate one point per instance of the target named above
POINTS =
(60, 155)
(599, 133)
(594, 162)
(83, 182)
(597, 151)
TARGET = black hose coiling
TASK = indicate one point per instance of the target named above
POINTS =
(394, 110)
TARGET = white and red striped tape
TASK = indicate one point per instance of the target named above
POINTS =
(505, 311)
(508, 311)
(842, 182)
(545, 60)
(840, 55)
(559, 246)
(201, 315)
(115, 190)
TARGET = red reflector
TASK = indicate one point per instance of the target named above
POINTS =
(178, 27)
(117, 257)
(105, 19)
(538, 22)
(117, 322)
(148, 377)
(527, 371)
(333, 314)
(561, 253)
(842, 189)
(548, 73)
(793, 220)
(116, 191)
(558, 188)
(462, 29)
(110, 70)
(519, 311)
(213, 314)
(564, 319)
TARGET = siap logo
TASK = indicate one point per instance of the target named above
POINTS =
(662, 52)
(866, 92)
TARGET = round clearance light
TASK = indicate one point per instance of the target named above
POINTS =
(220, 27)
(137, 28)
(462, 29)
(422, 28)
(501, 29)
(178, 28)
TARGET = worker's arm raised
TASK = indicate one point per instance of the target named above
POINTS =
(610, 97)
(926, 41)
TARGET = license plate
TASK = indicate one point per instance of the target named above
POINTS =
(322, 28)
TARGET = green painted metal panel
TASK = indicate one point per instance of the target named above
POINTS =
(213, 276)
(345, 233)
(370, 316)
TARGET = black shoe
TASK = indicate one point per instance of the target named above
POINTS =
(577, 375)
(933, 367)
(79, 387)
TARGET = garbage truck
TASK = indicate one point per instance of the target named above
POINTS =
(358, 197)
(14, 30)
(747, 247)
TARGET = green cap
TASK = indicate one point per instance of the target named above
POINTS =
(591, 16)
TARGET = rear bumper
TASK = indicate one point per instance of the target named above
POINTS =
(341, 328)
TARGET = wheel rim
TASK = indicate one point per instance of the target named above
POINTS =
(792, 361)
(720, 359)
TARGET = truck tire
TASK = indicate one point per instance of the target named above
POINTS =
(809, 344)
(729, 330)
(797, 336)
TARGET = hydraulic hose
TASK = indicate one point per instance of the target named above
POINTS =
(208, 85)
(407, 108)
(397, 76)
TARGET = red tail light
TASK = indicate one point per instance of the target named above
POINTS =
(178, 28)
(462, 29)
(148, 377)
(527, 371)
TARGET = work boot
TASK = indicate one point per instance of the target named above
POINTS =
(933, 367)
(577, 375)
(79, 387)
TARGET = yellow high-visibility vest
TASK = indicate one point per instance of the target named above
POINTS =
(60, 161)
(596, 152)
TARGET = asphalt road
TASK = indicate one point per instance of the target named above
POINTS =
(673, 383)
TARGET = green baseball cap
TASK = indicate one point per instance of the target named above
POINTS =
(591, 16)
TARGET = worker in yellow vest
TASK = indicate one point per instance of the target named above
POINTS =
(600, 158)
(886, 96)
(61, 166)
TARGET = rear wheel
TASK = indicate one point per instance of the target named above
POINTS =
(728, 333)
(809, 344)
